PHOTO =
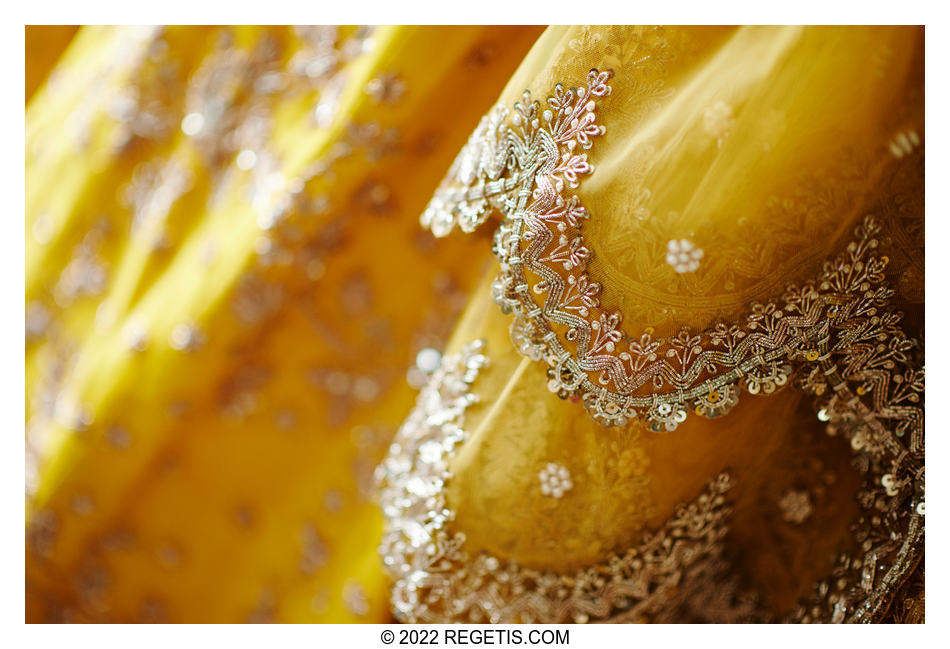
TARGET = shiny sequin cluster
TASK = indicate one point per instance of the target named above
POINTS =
(437, 580)
(868, 382)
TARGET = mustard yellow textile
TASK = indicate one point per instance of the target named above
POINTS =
(763, 147)
(44, 45)
(226, 283)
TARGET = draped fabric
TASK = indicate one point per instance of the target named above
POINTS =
(656, 223)
(676, 273)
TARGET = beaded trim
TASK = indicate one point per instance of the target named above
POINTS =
(838, 330)
(873, 362)
(437, 581)
(524, 170)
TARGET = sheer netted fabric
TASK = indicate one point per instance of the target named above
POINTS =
(716, 180)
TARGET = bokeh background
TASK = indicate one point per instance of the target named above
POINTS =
(229, 304)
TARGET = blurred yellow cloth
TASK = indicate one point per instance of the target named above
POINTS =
(226, 283)
(44, 45)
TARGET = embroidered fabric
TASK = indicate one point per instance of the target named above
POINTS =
(837, 336)
(437, 580)
(869, 385)
(524, 170)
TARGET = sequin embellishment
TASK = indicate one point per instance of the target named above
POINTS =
(525, 170)
(436, 580)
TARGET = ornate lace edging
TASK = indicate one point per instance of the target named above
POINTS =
(838, 330)
(437, 581)
(868, 384)
(525, 170)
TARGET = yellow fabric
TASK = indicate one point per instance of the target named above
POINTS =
(770, 188)
(44, 45)
(220, 312)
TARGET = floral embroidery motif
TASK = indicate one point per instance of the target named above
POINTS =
(796, 507)
(37, 321)
(436, 580)
(555, 480)
(524, 170)
(683, 256)
(501, 167)
(869, 387)
(87, 274)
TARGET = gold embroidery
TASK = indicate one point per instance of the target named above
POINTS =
(437, 581)
(869, 384)
(836, 336)
(524, 170)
